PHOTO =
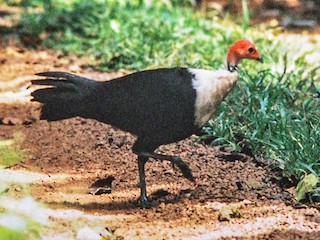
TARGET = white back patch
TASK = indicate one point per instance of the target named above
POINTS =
(211, 88)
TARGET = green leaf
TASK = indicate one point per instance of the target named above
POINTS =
(306, 185)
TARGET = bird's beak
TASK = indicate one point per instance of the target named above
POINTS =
(260, 59)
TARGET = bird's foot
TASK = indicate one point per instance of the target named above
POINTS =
(184, 168)
(175, 160)
(143, 202)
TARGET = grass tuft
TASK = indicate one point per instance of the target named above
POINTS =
(245, 15)
(9, 155)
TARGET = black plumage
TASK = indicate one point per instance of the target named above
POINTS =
(158, 106)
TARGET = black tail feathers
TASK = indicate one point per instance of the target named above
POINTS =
(65, 96)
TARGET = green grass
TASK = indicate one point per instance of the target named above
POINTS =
(273, 111)
(245, 15)
(9, 155)
(272, 120)
(20, 218)
(132, 35)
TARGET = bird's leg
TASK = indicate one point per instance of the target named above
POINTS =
(142, 178)
(184, 168)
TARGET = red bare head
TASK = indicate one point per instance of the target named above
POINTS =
(240, 50)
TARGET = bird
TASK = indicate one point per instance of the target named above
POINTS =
(158, 106)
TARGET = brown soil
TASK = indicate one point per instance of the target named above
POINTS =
(76, 152)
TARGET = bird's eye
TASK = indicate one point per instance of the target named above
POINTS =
(251, 50)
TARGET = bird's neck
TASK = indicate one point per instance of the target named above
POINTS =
(232, 61)
(232, 68)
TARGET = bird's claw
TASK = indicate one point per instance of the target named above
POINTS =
(143, 202)
(184, 168)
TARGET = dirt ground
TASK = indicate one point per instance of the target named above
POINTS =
(64, 158)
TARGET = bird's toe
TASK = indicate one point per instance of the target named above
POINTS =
(145, 203)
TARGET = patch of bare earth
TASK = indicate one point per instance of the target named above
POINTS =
(64, 158)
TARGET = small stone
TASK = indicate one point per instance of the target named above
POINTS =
(12, 121)
(162, 205)
(247, 202)
(169, 172)
(226, 213)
